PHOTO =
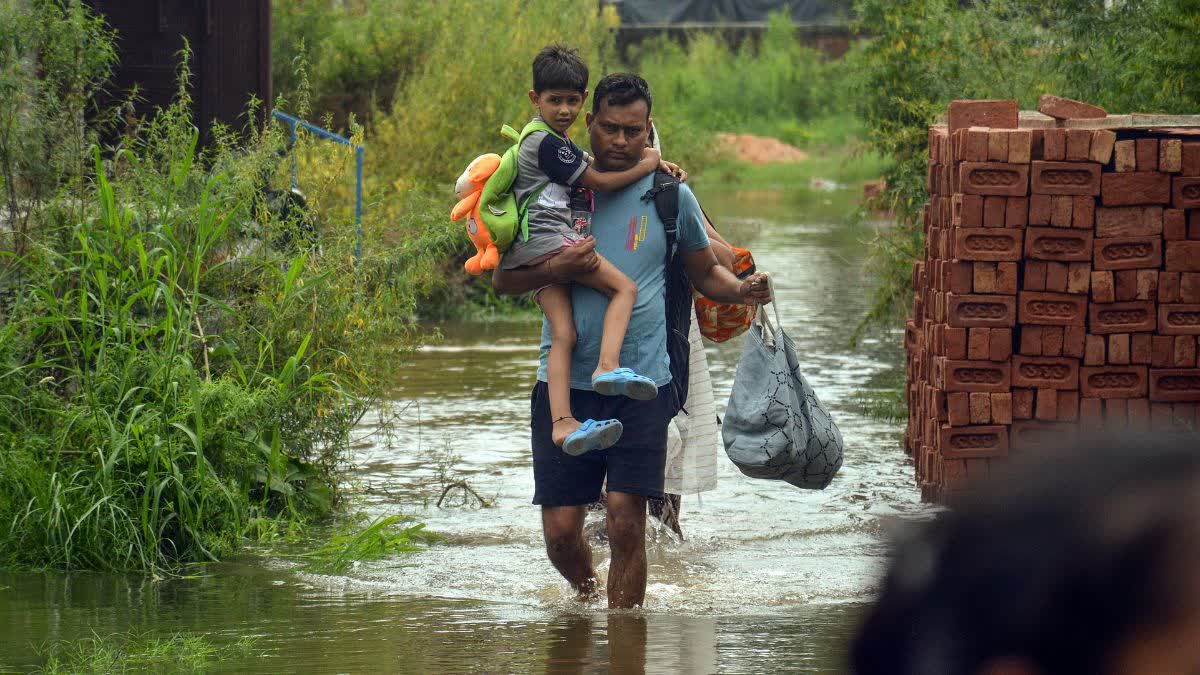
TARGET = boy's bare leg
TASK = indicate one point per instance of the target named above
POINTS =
(555, 302)
(622, 293)
(562, 528)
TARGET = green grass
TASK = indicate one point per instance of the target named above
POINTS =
(358, 540)
(139, 653)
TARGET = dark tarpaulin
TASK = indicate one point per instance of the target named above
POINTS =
(672, 12)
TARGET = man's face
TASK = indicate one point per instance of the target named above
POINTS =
(619, 134)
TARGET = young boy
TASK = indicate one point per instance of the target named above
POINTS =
(552, 174)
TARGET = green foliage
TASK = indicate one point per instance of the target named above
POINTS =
(356, 541)
(179, 367)
(139, 653)
(1138, 56)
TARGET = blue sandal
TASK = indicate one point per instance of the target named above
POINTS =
(593, 435)
(625, 382)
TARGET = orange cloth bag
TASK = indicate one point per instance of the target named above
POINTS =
(720, 322)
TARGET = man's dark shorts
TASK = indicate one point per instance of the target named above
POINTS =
(636, 464)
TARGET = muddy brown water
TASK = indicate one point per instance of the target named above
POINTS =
(768, 577)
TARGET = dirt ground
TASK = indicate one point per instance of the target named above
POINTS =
(760, 149)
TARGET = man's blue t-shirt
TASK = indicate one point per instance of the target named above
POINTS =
(630, 235)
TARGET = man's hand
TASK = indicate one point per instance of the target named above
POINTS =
(755, 290)
(673, 169)
(574, 261)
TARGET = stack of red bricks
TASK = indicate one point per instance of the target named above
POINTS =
(1060, 286)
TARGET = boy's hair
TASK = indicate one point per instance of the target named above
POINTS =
(559, 67)
(621, 89)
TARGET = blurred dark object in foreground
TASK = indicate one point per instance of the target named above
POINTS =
(1086, 560)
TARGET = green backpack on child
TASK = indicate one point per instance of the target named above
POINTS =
(495, 218)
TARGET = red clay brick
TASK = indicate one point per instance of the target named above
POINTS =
(1126, 285)
(960, 274)
(1183, 256)
(1179, 319)
(1016, 212)
(1040, 209)
(1002, 408)
(1116, 413)
(1162, 351)
(1138, 414)
(974, 376)
(1035, 275)
(1125, 156)
(1056, 277)
(1129, 221)
(1102, 287)
(1184, 355)
(1140, 349)
(1094, 351)
(1068, 406)
(1090, 411)
(996, 114)
(1020, 146)
(1102, 146)
(1006, 278)
(1043, 243)
(1123, 253)
(1052, 340)
(1047, 405)
(1074, 341)
(975, 144)
(974, 441)
(1022, 404)
(1118, 349)
(956, 343)
(1000, 344)
(1122, 317)
(1170, 155)
(1065, 178)
(1061, 207)
(1175, 384)
(1193, 227)
(984, 277)
(1186, 192)
(1079, 142)
(1054, 147)
(978, 343)
(1113, 381)
(1147, 154)
(1174, 225)
(1147, 284)
(958, 408)
(990, 244)
(1051, 309)
(1137, 187)
(1189, 164)
(1031, 340)
(1189, 288)
(1161, 416)
(1030, 434)
(981, 408)
(997, 145)
(1041, 372)
(1083, 212)
(1065, 108)
(1079, 277)
(972, 210)
(994, 211)
(995, 178)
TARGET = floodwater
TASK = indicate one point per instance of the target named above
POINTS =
(767, 579)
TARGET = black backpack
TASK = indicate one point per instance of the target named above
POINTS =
(665, 194)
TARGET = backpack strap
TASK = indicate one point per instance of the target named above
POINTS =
(523, 206)
(665, 194)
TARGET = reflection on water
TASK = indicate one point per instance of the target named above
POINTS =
(768, 578)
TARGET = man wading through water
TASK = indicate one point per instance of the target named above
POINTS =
(628, 232)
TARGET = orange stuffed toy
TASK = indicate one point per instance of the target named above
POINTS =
(468, 188)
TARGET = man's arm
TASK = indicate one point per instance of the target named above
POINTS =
(572, 262)
(716, 282)
(720, 247)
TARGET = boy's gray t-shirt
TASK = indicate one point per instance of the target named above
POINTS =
(557, 163)
(630, 235)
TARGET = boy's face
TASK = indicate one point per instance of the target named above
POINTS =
(558, 107)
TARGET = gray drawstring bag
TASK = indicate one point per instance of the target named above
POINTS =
(775, 427)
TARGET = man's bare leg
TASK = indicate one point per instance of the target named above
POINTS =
(562, 528)
(627, 541)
